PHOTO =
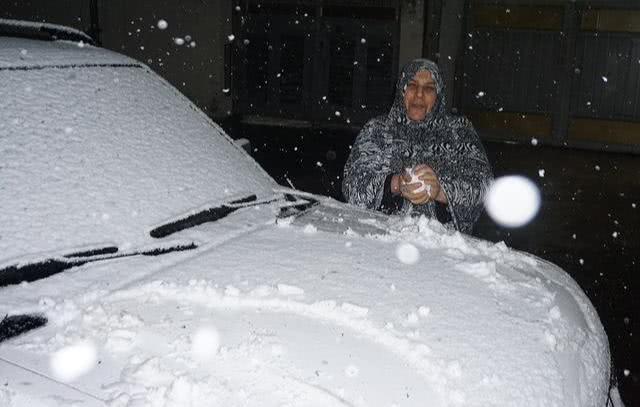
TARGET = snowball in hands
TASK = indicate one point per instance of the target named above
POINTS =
(415, 180)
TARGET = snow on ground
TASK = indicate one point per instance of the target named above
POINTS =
(284, 317)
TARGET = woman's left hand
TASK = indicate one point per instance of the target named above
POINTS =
(427, 175)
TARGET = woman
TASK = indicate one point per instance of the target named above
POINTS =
(418, 159)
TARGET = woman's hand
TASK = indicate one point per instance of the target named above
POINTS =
(417, 192)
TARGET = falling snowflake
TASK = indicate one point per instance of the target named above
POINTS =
(231, 37)
(407, 253)
(162, 24)
(205, 343)
(71, 362)
(534, 141)
(178, 41)
(541, 173)
(512, 201)
(605, 79)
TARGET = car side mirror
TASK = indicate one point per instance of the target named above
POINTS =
(245, 144)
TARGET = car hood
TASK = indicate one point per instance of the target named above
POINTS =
(333, 307)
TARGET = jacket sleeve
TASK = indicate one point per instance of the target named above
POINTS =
(366, 170)
(465, 175)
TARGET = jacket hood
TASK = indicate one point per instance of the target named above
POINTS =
(398, 112)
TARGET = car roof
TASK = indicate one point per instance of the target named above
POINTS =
(25, 45)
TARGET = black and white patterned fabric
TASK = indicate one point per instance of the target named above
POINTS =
(449, 144)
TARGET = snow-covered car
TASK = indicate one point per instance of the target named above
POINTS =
(147, 260)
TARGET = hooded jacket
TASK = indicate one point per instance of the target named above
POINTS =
(449, 144)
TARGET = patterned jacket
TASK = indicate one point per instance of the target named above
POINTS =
(449, 144)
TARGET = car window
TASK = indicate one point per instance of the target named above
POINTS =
(99, 154)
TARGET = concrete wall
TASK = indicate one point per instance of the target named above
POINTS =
(411, 30)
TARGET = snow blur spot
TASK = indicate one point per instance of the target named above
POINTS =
(407, 253)
(162, 24)
(363, 40)
(512, 201)
(68, 130)
(597, 168)
(71, 362)
(318, 164)
(205, 343)
(626, 372)
(480, 94)
(226, 90)
(581, 262)
(605, 79)
(178, 41)
(534, 141)
(337, 113)
(310, 229)
(351, 371)
(633, 205)
(541, 173)
(231, 37)
(615, 235)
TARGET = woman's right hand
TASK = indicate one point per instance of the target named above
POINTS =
(410, 190)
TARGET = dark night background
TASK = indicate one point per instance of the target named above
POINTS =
(550, 85)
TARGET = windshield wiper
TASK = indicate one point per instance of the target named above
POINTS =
(37, 270)
(207, 215)
(15, 325)
(297, 207)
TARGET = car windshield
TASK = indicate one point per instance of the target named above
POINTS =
(96, 155)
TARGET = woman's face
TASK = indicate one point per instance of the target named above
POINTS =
(420, 96)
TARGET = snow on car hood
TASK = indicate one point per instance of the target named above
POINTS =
(96, 155)
(291, 314)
